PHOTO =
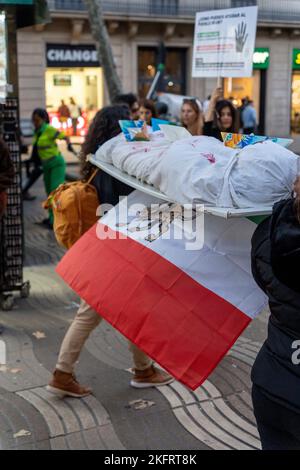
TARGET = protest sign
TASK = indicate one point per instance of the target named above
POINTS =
(224, 42)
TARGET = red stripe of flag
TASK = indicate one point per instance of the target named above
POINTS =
(183, 326)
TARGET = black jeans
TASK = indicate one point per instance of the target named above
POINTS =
(278, 426)
(32, 174)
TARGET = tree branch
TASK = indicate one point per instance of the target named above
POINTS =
(104, 49)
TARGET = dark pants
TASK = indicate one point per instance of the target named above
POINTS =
(33, 170)
(74, 125)
(278, 426)
(32, 176)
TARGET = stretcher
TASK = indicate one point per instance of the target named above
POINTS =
(225, 212)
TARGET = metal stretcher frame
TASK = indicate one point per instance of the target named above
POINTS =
(148, 189)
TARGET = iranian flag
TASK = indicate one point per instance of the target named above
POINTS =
(177, 284)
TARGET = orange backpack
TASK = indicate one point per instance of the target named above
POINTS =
(74, 207)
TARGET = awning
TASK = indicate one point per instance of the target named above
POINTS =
(16, 2)
(29, 12)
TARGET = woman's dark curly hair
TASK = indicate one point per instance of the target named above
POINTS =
(104, 126)
(220, 105)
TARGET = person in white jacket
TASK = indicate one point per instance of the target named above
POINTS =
(75, 113)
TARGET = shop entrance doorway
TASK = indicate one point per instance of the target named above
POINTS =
(295, 104)
(253, 88)
(84, 86)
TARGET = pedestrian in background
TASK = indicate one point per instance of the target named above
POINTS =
(191, 116)
(34, 168)
(240, 113)
(147, 111)
(249, 118)
(46, 149)
(104, 126)
(162, 110)
(220, 116)
(131, 100)
(276, 371)
(75, 113)
(205, 104)
(63, 112)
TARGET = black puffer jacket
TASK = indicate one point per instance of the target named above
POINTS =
(285, 244)
(275, 248)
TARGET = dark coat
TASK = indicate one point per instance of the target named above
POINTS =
(285, 245)
(274, 244)
(109, 189)
(210, 131)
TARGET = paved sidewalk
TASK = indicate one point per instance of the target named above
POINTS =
(216, 416)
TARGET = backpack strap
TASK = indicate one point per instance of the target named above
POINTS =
(92, 176)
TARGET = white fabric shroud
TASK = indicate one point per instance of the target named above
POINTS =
(202, 168)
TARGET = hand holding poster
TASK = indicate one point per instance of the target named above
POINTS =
(224, 42)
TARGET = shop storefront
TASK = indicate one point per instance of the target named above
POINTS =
(295, 101)
(253, 88)
(73, 74)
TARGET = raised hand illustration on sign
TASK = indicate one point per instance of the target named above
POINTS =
(240, 37)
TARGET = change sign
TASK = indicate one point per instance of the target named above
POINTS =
(224, 42)
(65, 55)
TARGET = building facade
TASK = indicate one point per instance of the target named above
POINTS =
(58, 61)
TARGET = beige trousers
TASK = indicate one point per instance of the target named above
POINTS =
(83, 324)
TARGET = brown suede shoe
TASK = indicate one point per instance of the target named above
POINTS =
(151, 377)
(66, 385)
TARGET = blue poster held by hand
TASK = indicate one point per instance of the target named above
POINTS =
(134, 130)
